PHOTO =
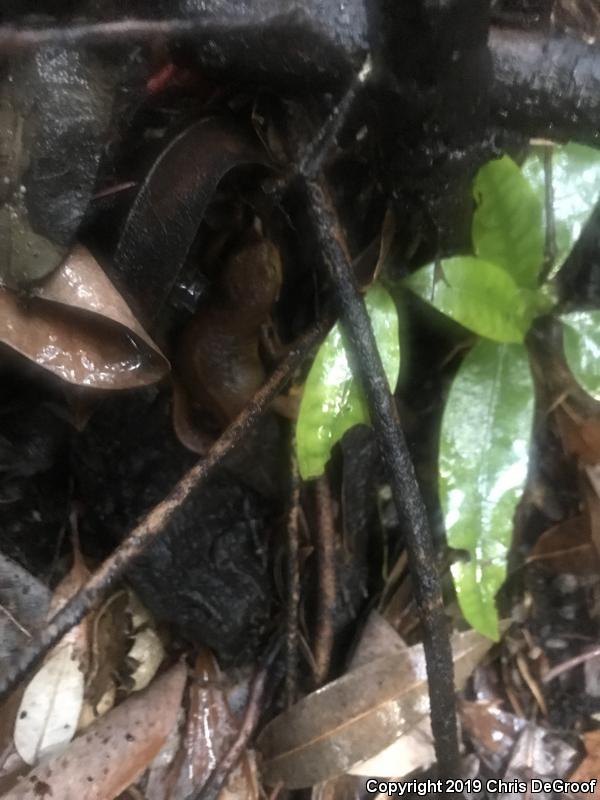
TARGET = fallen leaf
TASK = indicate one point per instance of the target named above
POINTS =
(590, 766)
(50, 707)
(51, 704)
(23, 607)
(357, 716)
(158, 778)
(346, 787)
(104, 761)
(414, 749)
(493, 731)
(109, 643)
(580, 435)
(567, 547)
(378, 639)
(147, 652)
(410, 752)
(210, 731)
(76, 325)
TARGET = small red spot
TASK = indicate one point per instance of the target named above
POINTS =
(161, 79)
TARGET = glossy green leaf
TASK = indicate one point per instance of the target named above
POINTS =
(508, 227)
(484, 452)
(479, 295)
(333, 402)
(576, 189)
(581, 340)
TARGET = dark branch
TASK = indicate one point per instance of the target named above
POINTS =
(405, 490)
(153, 524)
(14, 38)
(546, 86)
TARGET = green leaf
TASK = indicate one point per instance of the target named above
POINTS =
(576, 188)
(333, 402)
(479, 295)
(581, 341)
(508, 227)
(484, 452)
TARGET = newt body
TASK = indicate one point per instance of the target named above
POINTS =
(218, 363)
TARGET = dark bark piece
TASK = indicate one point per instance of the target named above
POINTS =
(291, 42)
(546, 86)
(150, 527)
(207, 573)
(55, 108)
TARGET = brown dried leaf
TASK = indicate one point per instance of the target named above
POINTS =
(109, 642)
(592, 506)
(492, 730)
(357, 716)
(210, 731)
(580, 433)
(114, 751)
(76, 325)
(567, 547)
(590, 766)
(414, 749)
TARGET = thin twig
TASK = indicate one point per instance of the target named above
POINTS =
(153, 524)
(325, 548)
(14, 38)
(405, 490)
(14, 620)
(532, 685)
(317, 151)
(293, 585)
(570, 663)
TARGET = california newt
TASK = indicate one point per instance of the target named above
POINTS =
(218, 364)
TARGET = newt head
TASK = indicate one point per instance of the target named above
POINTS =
(253, 276)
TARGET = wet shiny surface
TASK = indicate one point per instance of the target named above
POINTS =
(332, 401)
(78, 327)
(484, 455)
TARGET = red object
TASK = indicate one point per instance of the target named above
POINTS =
(161, 79)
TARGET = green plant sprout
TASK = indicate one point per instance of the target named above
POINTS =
(496, 291)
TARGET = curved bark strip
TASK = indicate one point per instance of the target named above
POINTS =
(546, 86)
(164, 219)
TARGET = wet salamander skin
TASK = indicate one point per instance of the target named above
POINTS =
(218, 361)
